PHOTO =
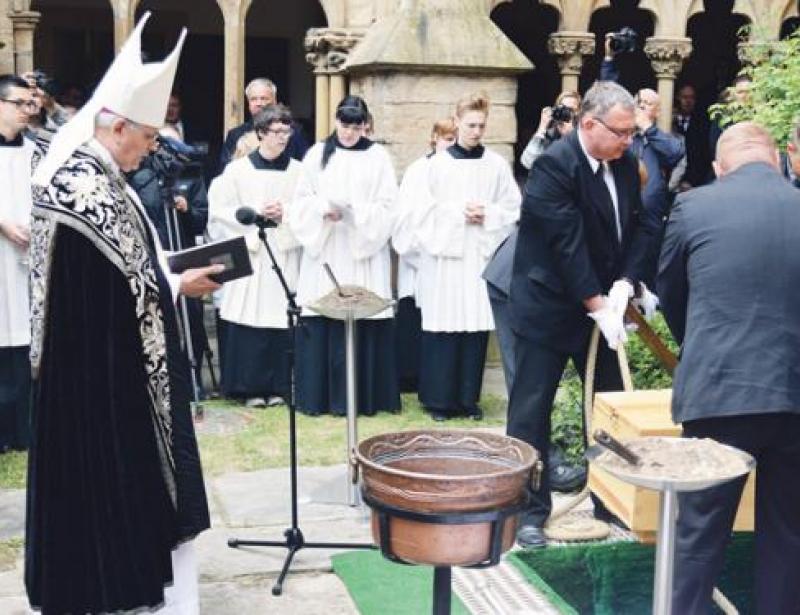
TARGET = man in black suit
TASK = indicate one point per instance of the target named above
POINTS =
(729, 282)
(581, 252)
(693, 125)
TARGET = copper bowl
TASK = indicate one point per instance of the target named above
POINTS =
(445, 471)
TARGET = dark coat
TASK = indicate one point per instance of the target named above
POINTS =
(699, 149)
(729, 285)
(568, 249)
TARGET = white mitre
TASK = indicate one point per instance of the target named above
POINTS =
(131, 89)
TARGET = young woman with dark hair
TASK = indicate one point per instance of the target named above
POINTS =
(342, 215)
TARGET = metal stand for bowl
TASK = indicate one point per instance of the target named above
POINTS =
(667, 515)
(350, 316)
(442, 574)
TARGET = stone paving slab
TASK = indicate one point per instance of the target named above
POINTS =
(12, 513)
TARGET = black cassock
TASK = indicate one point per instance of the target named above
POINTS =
(102, 518)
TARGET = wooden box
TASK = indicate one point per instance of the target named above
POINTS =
(644, 413)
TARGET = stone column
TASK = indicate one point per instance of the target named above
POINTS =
(570, 48)
(327, 50)
(667, 55)
(233, 42)
(24, 24)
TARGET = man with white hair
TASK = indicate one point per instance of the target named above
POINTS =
(729, 283)
(115, 489)
(242, 140)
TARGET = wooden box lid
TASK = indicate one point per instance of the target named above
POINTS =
(643, 413)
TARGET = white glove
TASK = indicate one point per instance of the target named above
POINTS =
(618, 296)
(610, 323)
(647, 303)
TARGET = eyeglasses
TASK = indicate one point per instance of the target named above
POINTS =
(21, 104)
(280, 132)
(622, 135)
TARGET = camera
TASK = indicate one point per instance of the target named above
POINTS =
(562, 113)
(174, 161)
(623, 41)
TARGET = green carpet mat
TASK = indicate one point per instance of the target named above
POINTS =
(381, 587)
(617, 578)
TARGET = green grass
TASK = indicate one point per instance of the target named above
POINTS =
(13, 467)
(10, 551)
(321, 440)
(264, 440)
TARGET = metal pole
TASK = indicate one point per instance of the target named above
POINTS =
(442, 590)
(352, 404)
(665, 553)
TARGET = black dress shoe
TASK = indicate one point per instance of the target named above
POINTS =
(566, 478)
(531, 537)
(439, 416)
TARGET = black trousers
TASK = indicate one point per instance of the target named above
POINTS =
(538, 371)
(705, 518)
(451, 370)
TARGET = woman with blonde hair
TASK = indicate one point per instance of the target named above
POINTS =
(468, 203)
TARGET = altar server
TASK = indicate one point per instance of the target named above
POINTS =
(257, 339)
(469, 205)
(409, 318)
(343, 215)
(16, 107)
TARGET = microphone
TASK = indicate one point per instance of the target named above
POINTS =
(248, 215)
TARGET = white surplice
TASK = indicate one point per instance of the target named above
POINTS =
(452, 294)
(404, 238)
(257, 300)
(361, 184)
(15, 207)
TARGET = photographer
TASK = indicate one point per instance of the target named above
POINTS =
(555, 122)
(50, 115)
(659, 151)
(175, 171)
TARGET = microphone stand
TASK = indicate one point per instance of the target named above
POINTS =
(176, 244)
(294, 540)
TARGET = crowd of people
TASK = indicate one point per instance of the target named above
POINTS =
(95, 197)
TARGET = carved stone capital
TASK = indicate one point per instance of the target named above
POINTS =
(24, 20)
(570, 49)
(327, 48)
(667, 55)
(750, 52)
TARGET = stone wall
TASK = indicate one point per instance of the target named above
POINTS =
(405, 105)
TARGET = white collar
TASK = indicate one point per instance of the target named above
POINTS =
(593, 162)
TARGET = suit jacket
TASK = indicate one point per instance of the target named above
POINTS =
(568, 249)
(699, 152)
(729, 285)
(499, 269)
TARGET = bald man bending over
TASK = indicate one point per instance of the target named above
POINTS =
(729, 283)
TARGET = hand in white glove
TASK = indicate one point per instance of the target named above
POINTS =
(618, 296)
(647, 302)
(610, 323)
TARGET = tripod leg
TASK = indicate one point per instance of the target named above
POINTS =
(277, 589)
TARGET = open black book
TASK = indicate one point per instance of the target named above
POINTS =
(230, 252)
